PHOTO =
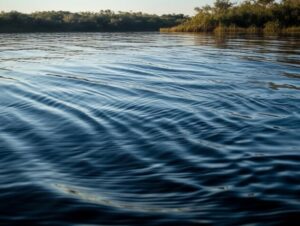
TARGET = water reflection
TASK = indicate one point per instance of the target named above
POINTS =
(149, 129)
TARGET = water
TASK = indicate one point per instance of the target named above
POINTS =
(149, 129)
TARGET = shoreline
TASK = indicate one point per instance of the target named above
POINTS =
(237, 30)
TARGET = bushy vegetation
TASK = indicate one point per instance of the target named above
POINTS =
(85, 21)
(250, 16)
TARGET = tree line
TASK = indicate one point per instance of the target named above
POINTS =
(105, 20)
(248, 16)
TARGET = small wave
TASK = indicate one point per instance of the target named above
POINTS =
(148, 128)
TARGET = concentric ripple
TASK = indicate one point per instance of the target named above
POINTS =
(149, 129)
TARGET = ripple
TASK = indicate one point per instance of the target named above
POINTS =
(149, 129)
(105, 201)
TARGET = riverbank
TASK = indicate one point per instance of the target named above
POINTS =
(104, 21)
(255, 17)
(238, 30)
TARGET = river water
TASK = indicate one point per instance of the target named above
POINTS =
(149, 129)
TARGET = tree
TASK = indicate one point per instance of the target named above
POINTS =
(197, 9)
(248, 16)
(222, 5)
(85, 21)
(265, 2)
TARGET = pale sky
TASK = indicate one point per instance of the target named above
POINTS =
(147, 6)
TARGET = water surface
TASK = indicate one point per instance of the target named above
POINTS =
(149, 129)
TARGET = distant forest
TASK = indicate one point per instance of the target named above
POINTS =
(105, 20)
(250, 16)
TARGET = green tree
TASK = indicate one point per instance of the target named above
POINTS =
(222, 5)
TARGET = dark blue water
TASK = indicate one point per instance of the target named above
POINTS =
(149, 129)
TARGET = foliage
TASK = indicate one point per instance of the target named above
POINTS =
(85, 21)
(249, 16)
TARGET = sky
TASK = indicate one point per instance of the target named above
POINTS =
(147, 6)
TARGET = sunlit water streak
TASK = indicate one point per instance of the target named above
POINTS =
(149, 129)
